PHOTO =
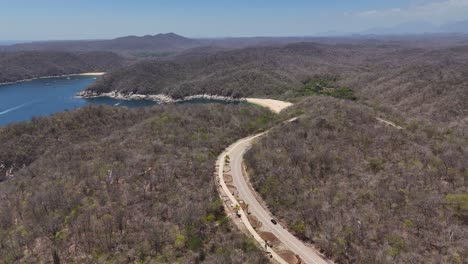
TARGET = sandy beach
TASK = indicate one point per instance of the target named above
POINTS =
(89, 74)
(275, 105)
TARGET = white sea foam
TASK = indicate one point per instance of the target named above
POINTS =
(14, 108)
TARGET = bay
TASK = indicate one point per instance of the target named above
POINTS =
(42, 97)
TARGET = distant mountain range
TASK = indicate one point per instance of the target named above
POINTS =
(420, 27)
(10, 42)
(460, 26)
(171, 43)
(156, 43)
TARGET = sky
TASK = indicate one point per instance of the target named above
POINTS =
(102, 19)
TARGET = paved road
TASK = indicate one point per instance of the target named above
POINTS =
(236, 152)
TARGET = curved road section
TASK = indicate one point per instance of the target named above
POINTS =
(240, 200)
(243, 193)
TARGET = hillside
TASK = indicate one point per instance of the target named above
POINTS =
(419, 82)
(363, 191)
(15, 66)
(117, 185)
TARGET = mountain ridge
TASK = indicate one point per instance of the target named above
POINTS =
(421, 27)
(127, 44)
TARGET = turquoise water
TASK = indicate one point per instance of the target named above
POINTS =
(42, 97)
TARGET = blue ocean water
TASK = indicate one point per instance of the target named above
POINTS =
(42, 97)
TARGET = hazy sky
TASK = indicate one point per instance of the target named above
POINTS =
(86, 19)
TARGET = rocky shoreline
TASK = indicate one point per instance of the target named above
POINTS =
(161, 98)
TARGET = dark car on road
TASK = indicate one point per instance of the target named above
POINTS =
(274, 221)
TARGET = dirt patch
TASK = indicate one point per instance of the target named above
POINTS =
(289, 256)
(272, 239)
(254, 221)
(243, 205)
(232, 189)
(227, 178)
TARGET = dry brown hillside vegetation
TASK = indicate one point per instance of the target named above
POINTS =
(363, 191)
(416, 81)
(116, 185)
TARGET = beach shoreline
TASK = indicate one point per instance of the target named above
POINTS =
(274, 105)
(55, 76)
(161, 98)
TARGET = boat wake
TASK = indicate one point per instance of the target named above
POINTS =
(14, 108)
(117, 104)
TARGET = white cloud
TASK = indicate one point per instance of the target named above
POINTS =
(434, 11)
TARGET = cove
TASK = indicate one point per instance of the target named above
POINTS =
(42, 97)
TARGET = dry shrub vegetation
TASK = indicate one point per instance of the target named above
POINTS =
(362, 191)
(136, 185)
(103, 184)
(427, 81)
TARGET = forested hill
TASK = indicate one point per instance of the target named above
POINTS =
(429, 82)
(115, 185)
(364, 191)
(15, 66)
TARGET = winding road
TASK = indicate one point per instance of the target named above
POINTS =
(230, 163)
(240, 200)
(236, 153)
